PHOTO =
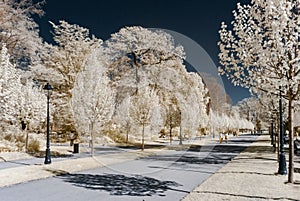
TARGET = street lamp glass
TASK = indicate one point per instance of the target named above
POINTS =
(49, 88)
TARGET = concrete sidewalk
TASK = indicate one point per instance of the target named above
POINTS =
(250, 176)
(26, 168)
(26, 173)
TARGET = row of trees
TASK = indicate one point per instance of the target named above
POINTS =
(134, 83)
(261, 52)
(22, 103)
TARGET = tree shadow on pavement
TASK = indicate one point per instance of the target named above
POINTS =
(200, 155)
(260, 149)
(229, 148)
(117, 184)
(180, 159)
(54, 154)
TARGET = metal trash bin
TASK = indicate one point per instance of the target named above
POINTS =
(76, 146)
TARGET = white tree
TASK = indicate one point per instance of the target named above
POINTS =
(10, 89)
(142, 109)
(142, 58)
(19, 31)
(137, 52)
(21, 104)
(173, 118)
(62, 63)
(33, 107)
(93, 100)
(123, 117)
(262, 53)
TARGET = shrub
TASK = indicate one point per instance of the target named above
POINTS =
(33, 146)
(20, 146)
(115, 135)
(8, 137)
(20, 138)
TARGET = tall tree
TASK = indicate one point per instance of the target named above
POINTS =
(62, 63)
(173, 119)
(142, 109)
(93, 99)
(122, 116)
(262, 52)
(10, 89)
(20, 103)
(137, 52)
(145, 58)
(32, 114)
(20, 32)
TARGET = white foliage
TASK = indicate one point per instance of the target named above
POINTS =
(19, 30)
(18, 101)
(10, 88)
(92, 98)
(122, 117)
(143, 105)
(261, 52)
(33, 104)
(61, 64)
(145, 58)
(138, 39)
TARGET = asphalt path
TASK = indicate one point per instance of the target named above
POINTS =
(99, 150)
(169, 175)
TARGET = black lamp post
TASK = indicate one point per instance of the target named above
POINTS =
(49, 89)
(282, 162)
(180, 131)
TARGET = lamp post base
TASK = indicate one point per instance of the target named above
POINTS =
(47, 157)
(282, 164)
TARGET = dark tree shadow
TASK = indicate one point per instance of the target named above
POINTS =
(223, 148)
(185, 159)
(117, 184)
(54, 154)
(212, 154)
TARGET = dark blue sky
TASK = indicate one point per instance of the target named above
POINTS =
(199, 20)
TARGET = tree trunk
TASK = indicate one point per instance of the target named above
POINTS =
(278, 145)
(26, 141)
(170, 134)
(143, 138)
(24, 128)
(291, 142)
(92, 138)
(127, 131)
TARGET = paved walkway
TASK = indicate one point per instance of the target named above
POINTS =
(18, 168)
(250, 176)
(29, 171)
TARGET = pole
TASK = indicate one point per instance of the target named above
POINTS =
(180, 131)
(282, 161)
(273, 141)
(48, 156)
(271, 133)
